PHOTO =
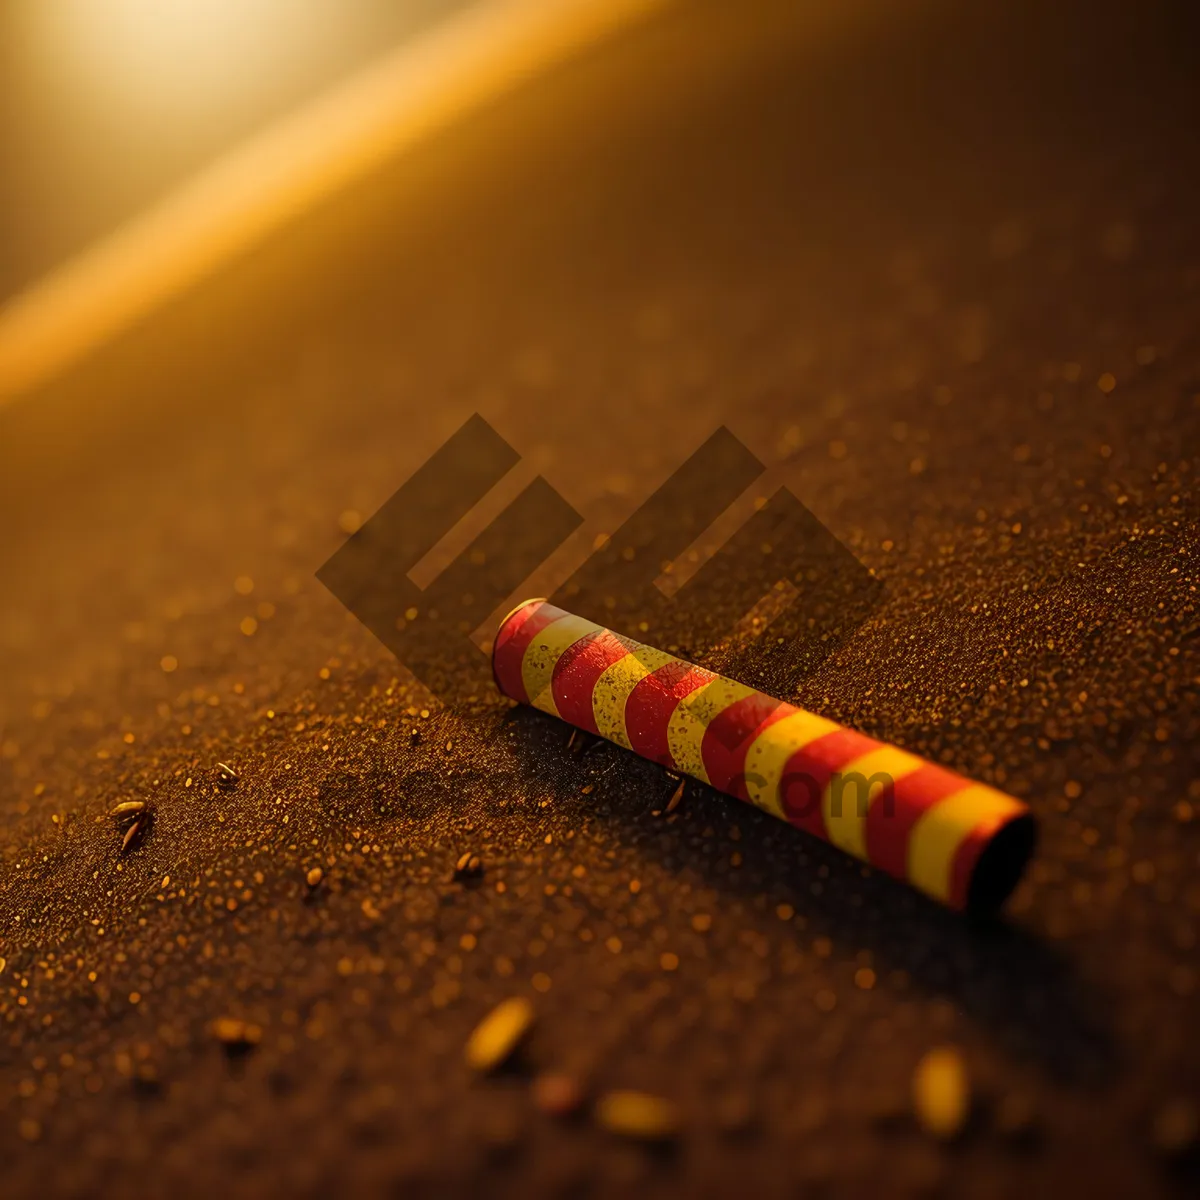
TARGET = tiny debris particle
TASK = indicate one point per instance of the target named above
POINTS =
(127, 808)
(941, 1092)
(235, 1035)
(638, 1115)
(131, 835)
(414, 737)
(1176, 1127)
(497, 1036)
(314, 876)
(468, 866)
(556, 1094)
(676, 798)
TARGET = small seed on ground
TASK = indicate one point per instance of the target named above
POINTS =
(941, 1092)
(498, 1035)
(236, 1034)
(127, 807)
(227, 777)
(557, 1095)
(676, 797)
(314, 876)
(638, 1115)
(468, 864)
(131, 834)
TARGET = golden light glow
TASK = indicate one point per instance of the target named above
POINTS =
(429, 81)
(175, 59)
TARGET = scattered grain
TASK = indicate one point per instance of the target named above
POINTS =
(498, 1035)
(941, 1092)
(637, 1115)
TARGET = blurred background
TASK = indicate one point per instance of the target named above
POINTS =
(937, 265)
(106, 104)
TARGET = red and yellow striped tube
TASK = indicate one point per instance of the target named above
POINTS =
(962, 843)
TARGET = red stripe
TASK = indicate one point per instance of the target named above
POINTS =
(651, 703)
(576, 672)
(894, 812)
(729, 736)
(513, 640)
(809, 770)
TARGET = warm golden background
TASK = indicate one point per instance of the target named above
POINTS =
(937, 265)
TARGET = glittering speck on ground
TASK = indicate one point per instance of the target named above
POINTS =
(939, 269)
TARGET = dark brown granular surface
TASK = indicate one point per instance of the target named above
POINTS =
(940, 269)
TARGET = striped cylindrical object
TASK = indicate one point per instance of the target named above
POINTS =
(962, 843)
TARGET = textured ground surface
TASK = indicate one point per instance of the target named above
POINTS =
(943, 275)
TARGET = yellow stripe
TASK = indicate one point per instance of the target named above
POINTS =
(691, 718)
(847, 798)
(938, 834)
(615, 686)
(542, 655)
(769, 754)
